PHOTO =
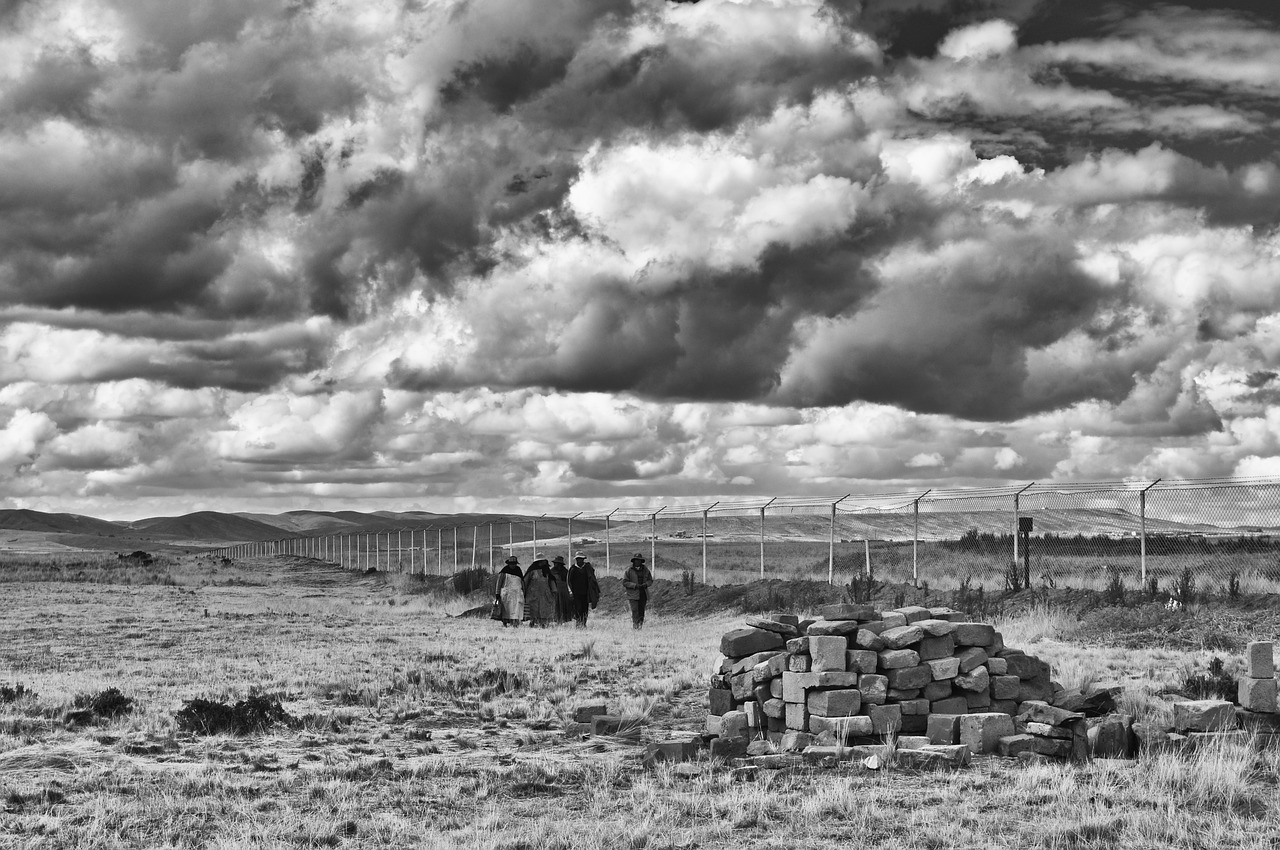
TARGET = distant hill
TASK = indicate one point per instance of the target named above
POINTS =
(207, 525)
(26, 520)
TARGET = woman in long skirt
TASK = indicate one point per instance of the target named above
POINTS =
(539, 604)
(560, 590)
(509, 592)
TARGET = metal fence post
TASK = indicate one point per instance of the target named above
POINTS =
(490, 547)
(440, 549)
(915, 538)
(1142, 513)
(653, 539)
(762, 507)
(455, 550)
(704, 540)
(608, 563)
(1017, 509)
(831, 541)
(578, 514)
(475, 542)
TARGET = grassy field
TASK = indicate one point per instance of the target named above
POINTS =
(417, 728)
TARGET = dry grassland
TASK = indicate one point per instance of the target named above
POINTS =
(418, 729)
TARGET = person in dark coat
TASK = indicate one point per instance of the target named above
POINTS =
(637, 580)
(560, 590)
(539, 602)
(509, 592)
(583, 586)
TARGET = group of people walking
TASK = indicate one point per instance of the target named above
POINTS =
(548, 592)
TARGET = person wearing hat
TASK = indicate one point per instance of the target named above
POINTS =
(637, 580)
(509, 593)
(583, 586)
(539, 603)
(560, 590)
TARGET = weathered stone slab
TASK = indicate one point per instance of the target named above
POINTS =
(874, 688)
(742, 686)
(794, 685)
(971, 658)
(894, 659)
(885, 719)
(718, 702)
(1112, 737)
(913, 707)
(797, 716)
(761, 748)
(931, 648)
(950, 705)
(1012, 745)
(1257, 694)
(975, 680)
(911, 742)
(585, 713)
(861, 661)
(1043, 730)
(933, 758)
(841, 628)
(794, 741)
(997, 666)
(1038, 712)
(977, 701)
(798, 645)
(1035, 689)
(836, 703)
(944, 668)
(1004, 687)
(844, 728)
(828, 653)
(799, 664)
(914, 613)
(867, 639)
(818, 754)
(893, 619)
(669, 751)
(937, 690)
(1005, 706)
(982, 732)
(774, 708)
(901, 637)
(848, 611)
(936, 628)
(787, 630)
(1205, 715)
(748, 641)
(974, 634)
(1260, 659)
(729, 747)
(899, 694)
(944, 728)
(1026, 666)
(908, 678)
(712, 726)
(733, 724)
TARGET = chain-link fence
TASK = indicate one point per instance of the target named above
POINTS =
(1218, 535)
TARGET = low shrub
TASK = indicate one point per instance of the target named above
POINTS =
(469, 581)
(251, 716)
(10, 694)
(105, 704)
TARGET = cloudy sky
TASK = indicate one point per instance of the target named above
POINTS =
(552, 256)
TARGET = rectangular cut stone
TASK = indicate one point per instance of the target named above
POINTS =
(1012, 745)
(844, 729)
(944, 728)
(742, 685)
(914, 613)
(848, 611)
(719, 701)
(770, 624)
(861, 661)
(839, 628)
(1005, 706)
(1026, 666)
(867, 639)
(1257, 694)
(837, 703)
(713, 725)
(828, 653)
(753, 660)
(799, 663)
(795, 684)
(894, 659)
(975, 680)
(1206, 715)
(912, 742)
(914, 724)
(1044, 730)
(893, 619)
(876, 626)
(1038, 712)
(874, 688)
(997, 666)
(982, 732)
(996, 645)
(950, 705)
(944, 668)
(949, 615)
(974, 634)
(775, 688)
(900, 694)
(748, 641)
(797, 716)
(885, 719)
(733, 724)
(1260, 657)
(974, 656)
(762, 673)
(912, 707)
(901, 637)
(906, 678)
(774, 708)
(936, 690)
(931, 648)
(1004, 687)
(931, 758)
(798, 646)
(977, 700)
(937, 628)
(777, 665)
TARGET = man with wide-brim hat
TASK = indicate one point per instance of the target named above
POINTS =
(637, 580)
(583, 586)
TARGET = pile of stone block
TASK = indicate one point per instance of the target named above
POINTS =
(859, 675)
(1257, 687)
